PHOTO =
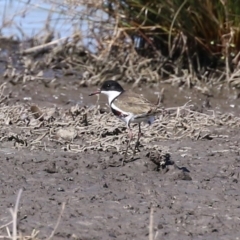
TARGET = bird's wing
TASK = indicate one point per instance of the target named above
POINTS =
(134, 103)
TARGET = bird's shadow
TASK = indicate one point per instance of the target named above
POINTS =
(162, 161)
(184, 169)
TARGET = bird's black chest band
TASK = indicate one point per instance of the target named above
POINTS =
(118, 113)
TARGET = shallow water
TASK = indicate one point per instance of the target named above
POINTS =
(24, 19)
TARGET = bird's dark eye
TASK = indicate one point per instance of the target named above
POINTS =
(108, 85)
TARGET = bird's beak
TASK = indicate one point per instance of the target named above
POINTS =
(94, 93)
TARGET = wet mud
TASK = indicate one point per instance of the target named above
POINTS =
(189, 183)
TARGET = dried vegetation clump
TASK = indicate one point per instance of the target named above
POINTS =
(12, 226)
(80, 129)
(138, 42)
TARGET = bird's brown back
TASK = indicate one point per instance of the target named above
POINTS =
(129, 101)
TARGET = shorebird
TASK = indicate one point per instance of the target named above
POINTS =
(130, 107)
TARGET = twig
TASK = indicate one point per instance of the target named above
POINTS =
(39, 47)
(151, 224)
(14, 216)
(58, 221)
(172, 23)
(5, 225)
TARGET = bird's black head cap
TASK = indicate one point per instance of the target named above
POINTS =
(111, 85)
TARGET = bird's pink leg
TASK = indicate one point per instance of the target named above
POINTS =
(138, 142)
(130, 133)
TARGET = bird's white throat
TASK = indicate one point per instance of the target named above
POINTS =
(111, 95)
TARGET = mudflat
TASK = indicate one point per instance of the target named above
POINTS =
(184, 184)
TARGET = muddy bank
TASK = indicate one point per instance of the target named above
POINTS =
(187, 170)
(108, 202)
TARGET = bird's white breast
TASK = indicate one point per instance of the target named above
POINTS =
(111, 95)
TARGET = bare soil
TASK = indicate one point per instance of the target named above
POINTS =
(193, 189)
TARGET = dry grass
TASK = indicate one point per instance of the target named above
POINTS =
(115, 56)
(14, 235)
(81, 129)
